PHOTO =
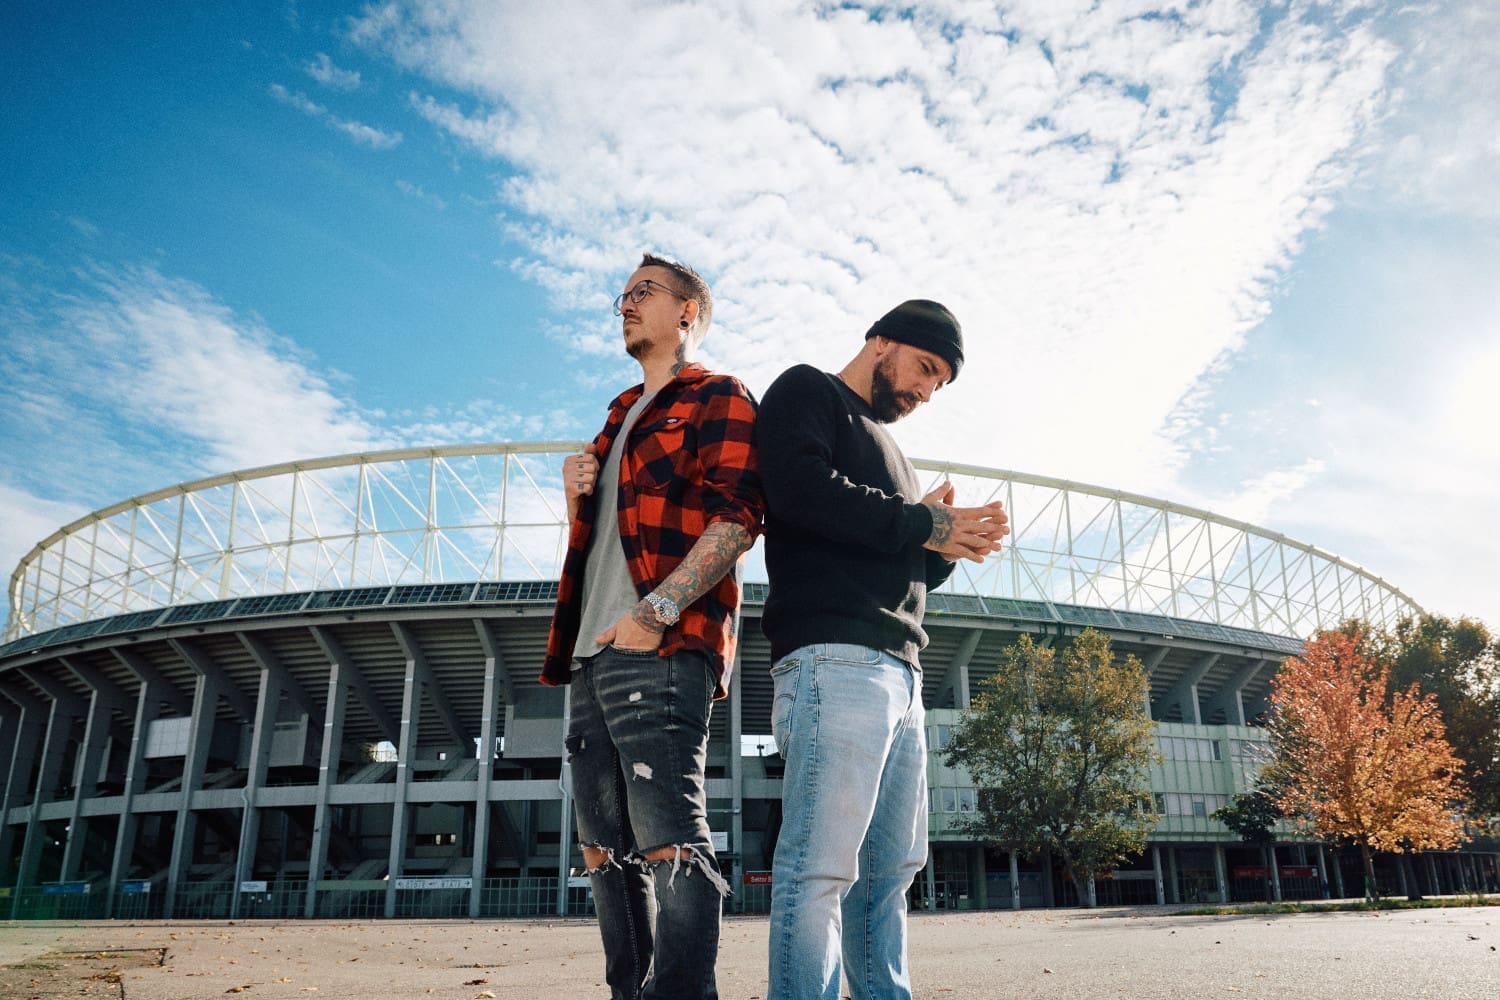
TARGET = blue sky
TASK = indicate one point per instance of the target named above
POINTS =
(1240, 256)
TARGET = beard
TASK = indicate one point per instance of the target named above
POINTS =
(887, 404)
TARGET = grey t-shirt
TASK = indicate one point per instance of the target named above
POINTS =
(608, 590)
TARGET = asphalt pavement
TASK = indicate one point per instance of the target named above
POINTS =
(1145, 952)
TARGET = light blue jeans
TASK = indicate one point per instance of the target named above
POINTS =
(848, 722)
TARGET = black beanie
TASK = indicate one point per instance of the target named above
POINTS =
(925, 324)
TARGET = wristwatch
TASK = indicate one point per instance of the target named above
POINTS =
(665, 608)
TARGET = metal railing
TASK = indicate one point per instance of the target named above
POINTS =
(437, 517)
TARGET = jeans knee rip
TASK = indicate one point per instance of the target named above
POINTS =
(694, 860)
(609, 863)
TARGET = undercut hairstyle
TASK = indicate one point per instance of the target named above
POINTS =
(691, 284)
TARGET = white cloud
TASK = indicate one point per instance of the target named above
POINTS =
(364, 134)
(417, 192)
(325, 72)
(1446, 139)
(1105, 199)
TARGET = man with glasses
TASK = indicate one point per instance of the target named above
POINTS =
(663, 503)
(852, 547)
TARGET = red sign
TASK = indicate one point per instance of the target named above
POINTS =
(1298, 872)
(757, 878)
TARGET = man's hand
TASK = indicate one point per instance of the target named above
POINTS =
(964, 532)
(580, 472)
(638, 629)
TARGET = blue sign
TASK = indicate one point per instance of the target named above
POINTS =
(139, 887)
(65, 889)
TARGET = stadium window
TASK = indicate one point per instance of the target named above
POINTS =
(966, 800)
(1218, 751)
(940, 736)
(1161, 803)
(950, 800)
(1200, 809)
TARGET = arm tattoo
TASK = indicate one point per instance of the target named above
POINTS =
(942, 526)
(705, 565)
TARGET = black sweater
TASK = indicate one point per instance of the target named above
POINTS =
(844, 522)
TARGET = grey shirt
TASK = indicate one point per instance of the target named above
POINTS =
(608, 590)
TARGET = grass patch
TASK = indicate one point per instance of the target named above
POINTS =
(1356, 905)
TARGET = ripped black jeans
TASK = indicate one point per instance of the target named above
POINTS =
(637, 746)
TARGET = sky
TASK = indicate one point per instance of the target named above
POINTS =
(1238, 256)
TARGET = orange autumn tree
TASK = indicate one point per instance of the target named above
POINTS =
(1359, 762)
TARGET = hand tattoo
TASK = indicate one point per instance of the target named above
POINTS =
(942, 526)
(644, 615)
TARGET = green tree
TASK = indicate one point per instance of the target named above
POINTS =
(1457, 661)
(1058, 748)
(1254, 815)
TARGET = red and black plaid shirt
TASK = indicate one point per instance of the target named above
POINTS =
(689, 461)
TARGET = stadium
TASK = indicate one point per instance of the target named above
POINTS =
(309, 690)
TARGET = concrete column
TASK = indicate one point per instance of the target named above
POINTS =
(1161, 889)
(981, 878)
(493, 664)
(931, 879)
(1275, 873)
(267, 706)
(1434, 887)
(328, 776)
(205, 708)
(90, 756)
(411, 710)
(736, 785)
(1401, 884)
(1322, 872)
(26, 739)
(1221, 874)
(60, 718)
(147, 707)
(1338, 877)
(1015, 882)
(1174, 885)
(1049, 897)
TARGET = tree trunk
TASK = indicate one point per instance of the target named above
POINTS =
(1372, 890)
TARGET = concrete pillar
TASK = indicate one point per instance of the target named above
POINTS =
(267, 708)
(1015, 882)
(1401, 884)
(1161, 889)
(736, 870)
(1174, 884)
(1322, 872)
(1338, 876)
(980, 878)
(1221, 873)
(205, 708)
(1274, 873)
(931, 879)
(411, 710)
(60, 718)
(1049, 897)
(90, 756)
(1433, 887)
(493, 664)
(26, 738)
(147, 707)
(328, 776)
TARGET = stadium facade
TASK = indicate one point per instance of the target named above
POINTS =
(310, 690)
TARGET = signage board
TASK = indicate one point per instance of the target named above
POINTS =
(65, 889)
(757, 878)
(434, 883)
(136, 887)
(253, 886)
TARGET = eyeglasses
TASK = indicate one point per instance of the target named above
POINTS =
(641, 290)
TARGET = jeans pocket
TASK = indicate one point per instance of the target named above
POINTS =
(845, 652)
(784, 676)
